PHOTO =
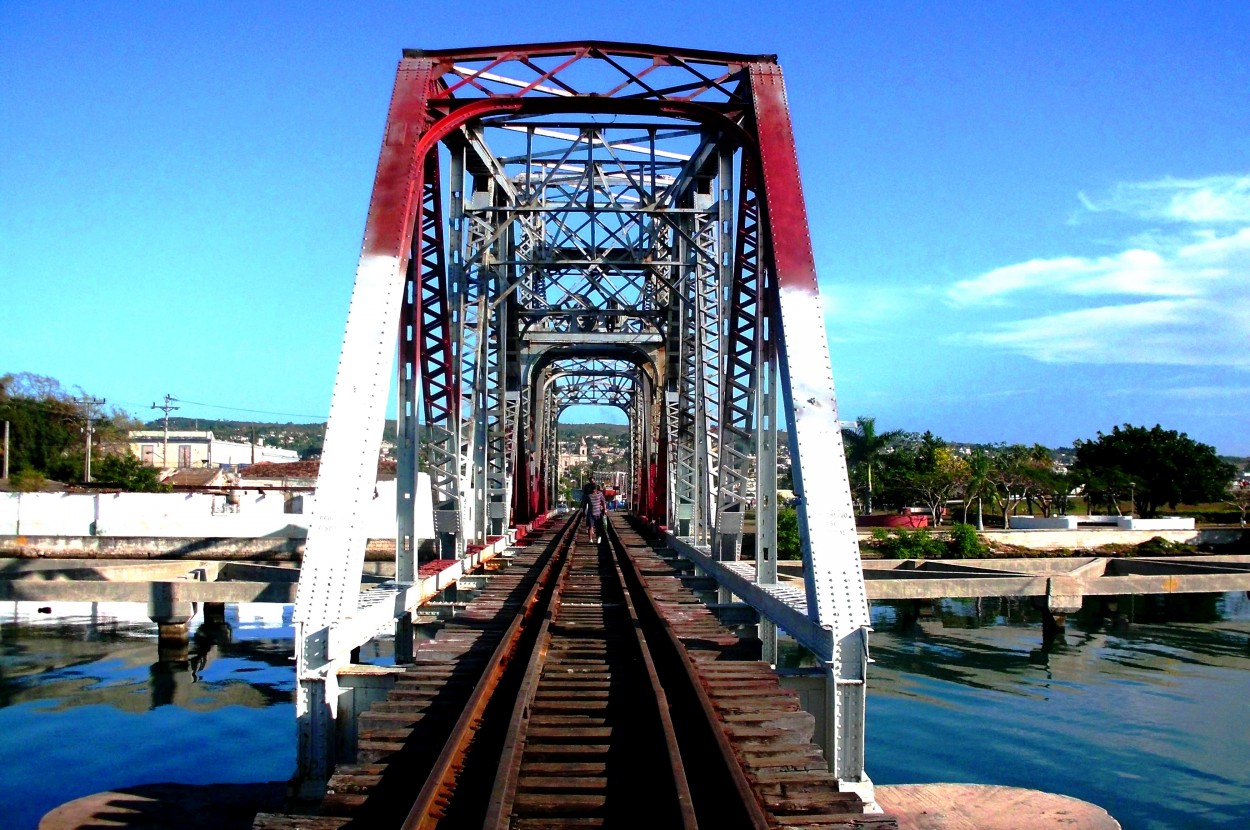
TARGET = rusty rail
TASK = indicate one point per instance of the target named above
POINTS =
(436, 794)
(701, 719)
(613, 698)
(590, 730)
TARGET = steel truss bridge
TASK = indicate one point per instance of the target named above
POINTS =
(588, 223)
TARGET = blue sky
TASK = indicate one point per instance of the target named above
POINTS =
(1030, 224)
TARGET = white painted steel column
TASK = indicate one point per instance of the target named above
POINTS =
(836, 596)
(329, 585)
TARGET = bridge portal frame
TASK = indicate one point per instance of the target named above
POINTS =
(410, 287)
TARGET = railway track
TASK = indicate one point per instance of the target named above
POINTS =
(610, 699)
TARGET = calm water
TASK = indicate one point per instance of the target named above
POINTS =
(1143, 711)
(86, 706)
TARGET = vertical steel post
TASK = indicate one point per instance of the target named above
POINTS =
(442, 380)
(766, 506)
(407, 428)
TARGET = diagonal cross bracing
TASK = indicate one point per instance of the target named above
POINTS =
(588, 223)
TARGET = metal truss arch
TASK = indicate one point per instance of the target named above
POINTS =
(588, 222)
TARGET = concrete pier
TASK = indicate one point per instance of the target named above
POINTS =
(185, 806)
(987, 807)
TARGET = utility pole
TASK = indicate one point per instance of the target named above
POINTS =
(6, 451)
(89, 405)
(167, 408)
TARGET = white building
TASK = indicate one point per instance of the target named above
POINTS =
(580, 457)
(190, 448)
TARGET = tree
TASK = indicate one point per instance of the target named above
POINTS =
(864, 449)
(788, 544)
(930, 472)
(44, 421)
(1239, 497)
(126, 472)
(1016, 474)
(1158, 466)
(977, 484)
(46, 425)
(1052, 490)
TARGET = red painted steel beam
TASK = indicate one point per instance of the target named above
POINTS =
(786, 214)
(396, 185)
(560, 48)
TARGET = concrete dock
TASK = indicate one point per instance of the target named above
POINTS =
(988, 807)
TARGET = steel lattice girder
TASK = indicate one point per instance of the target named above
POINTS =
(555, 197)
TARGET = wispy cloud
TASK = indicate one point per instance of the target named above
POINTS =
(1206, 393)
(1163, 332)
(1208, 201)
(1164, 299)
(1185, 393)
(1132, 272)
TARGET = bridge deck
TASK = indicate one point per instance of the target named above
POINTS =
(760, 729)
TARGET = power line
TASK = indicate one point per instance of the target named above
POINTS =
(254, 411)
(234, 409)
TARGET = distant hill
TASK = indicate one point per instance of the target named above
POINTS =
(306, 439)
(576, 432)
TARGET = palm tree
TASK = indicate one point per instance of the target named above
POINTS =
(980, 465)
(864, 448)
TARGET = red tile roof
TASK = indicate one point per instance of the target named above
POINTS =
(304, 469)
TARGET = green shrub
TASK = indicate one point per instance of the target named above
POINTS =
(908, 544)
(1211, 517)
(27, 481)
(964, 543)
(126, 472)
(1158, 546)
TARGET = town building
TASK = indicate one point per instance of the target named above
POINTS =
(181, 449)
(577, 457)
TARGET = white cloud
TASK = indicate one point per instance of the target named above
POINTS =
(1186, 332)
(1176, 269)
(1164, 299)
(1132, 272)
(1208, 392)
(1208, 201)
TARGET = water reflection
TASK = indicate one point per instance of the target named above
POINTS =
(79, 662)
(90, 694)
(214, 633)
(1137, 704)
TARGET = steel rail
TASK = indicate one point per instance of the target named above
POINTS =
(504, 790)
(661, 631)
(685, 799)
(436, 793)
(501, 810)
(584, 595)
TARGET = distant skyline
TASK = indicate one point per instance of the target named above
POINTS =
(1030, 224)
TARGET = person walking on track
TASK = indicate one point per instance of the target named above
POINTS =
(596, 507)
